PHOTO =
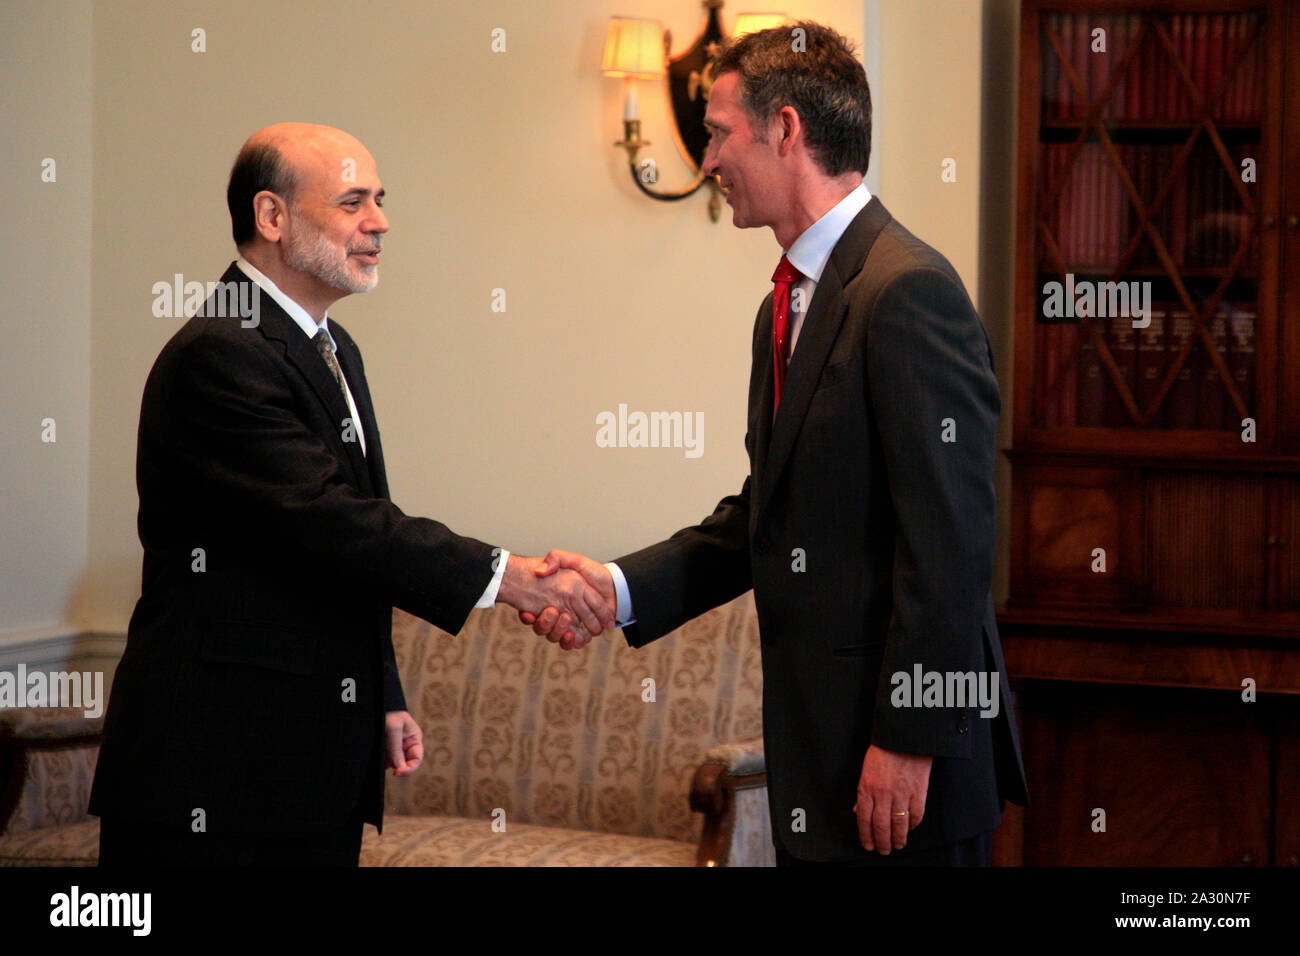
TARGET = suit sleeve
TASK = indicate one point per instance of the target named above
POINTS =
(394, 696)
(935, 400)
(696, 569)
(241, 440)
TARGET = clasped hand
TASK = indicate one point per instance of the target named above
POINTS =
(567, 598)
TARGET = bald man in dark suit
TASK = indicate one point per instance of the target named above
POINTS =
(257, 702)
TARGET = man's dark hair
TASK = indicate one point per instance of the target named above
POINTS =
(256, 168)
(817, 73)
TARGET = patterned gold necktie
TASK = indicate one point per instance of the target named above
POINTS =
(322, 340)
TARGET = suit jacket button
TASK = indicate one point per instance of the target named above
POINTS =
(963, 720)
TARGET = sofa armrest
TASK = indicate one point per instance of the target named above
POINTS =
(730, 789)
(741, 759)
(47, 764)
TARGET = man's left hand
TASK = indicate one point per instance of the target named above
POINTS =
(405, 743)
(891, 797)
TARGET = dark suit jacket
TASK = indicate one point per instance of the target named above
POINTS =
(896, 529)
(254, 685)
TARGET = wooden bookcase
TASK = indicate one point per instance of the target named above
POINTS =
(1155, 508)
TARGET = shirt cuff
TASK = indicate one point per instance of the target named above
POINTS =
(623, 613)
(499, 559)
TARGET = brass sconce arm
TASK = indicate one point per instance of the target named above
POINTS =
(633, 143)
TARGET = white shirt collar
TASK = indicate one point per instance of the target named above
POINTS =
(296, 312)
(812, 249)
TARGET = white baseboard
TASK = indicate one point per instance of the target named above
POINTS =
(59, 648)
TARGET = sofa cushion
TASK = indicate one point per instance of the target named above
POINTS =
(456, 841)
(74, 845)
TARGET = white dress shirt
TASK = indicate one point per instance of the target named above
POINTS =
(812, 250)
(309, 328)
(809, 254)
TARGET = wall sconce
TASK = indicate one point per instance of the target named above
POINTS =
(637, 49)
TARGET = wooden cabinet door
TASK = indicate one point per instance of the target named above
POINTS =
(1123, 776)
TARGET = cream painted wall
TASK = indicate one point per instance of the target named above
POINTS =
(45, 309)
(929, 112)
(500, 174)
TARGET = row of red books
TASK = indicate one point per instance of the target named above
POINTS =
(1201, 220)
(1083, 394)
(1221, 52)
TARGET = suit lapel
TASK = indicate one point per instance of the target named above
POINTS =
(762, 388)
(301, 352)
(821, 327)
(350, 361)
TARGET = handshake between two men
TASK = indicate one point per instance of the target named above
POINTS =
(574, 596)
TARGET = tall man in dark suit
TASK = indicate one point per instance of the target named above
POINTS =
(258, 700)
(866, 525)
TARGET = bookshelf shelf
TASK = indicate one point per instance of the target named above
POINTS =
(1056, 130)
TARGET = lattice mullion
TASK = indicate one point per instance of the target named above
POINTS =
(1052, 38)
(1157, 243)
(1241, 54)
(1199, 317)
(1113, 79)
(1201, 106)
(1193, 92)
(1127, 182)
(1162, 253)
(1166, 260)
(1211, 305)
(1108, 360)
(1164, 191)
(1234, 173)
(1212, 130)
(1206, 123)
(1093, 119)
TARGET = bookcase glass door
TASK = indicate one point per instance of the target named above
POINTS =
(1147, 220)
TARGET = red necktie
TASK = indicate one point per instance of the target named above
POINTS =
(785, 277)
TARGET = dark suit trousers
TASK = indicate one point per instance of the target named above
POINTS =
(131, 843)
(977, 851)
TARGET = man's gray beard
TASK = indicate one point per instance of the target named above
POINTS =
(313, 254)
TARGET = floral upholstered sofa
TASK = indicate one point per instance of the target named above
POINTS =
(608, 756)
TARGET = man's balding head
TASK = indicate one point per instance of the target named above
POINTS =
(275, 159)
(306, 209)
